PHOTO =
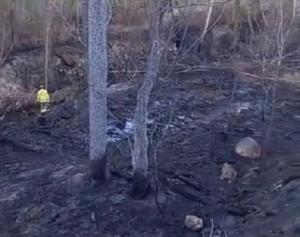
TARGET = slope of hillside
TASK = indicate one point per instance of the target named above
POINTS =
(44, 190)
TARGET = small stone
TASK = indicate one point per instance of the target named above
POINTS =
(228, 173)
(248, 147)
(193, 223)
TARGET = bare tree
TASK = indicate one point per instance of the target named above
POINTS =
(141, 184)
(236, 20)
(294, 6)
(98, 18)
(48, 42)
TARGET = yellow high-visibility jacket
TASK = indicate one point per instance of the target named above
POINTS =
(43, 96)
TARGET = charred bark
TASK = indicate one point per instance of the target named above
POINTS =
(141, 186)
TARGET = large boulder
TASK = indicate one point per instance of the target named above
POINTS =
(248, 147)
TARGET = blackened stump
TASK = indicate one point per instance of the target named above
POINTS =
(141, 187)
(98, 169)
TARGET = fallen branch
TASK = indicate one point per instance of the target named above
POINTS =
(181, 188)
(5, 112)
(270, 78)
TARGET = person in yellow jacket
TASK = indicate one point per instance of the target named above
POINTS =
(43, 98)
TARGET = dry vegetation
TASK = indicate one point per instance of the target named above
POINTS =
(23, 22)
(265, 34)
(206, 112)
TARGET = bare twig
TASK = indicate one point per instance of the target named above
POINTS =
(207, 21)
(270, 78)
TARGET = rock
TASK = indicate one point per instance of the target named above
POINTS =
(193, 223)
(228, 173)
(248, 147)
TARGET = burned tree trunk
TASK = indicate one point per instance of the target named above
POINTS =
(141, 184)
(98, 18)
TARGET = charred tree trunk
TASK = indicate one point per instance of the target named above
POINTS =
(98, 19)
(141, 184)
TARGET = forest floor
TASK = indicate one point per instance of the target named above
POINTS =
(44, 190)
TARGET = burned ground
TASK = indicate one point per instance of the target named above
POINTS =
(45, 191)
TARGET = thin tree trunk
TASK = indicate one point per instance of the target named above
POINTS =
(48, 44)
(255, 17)
(98, 19)
(141, 184)
(236, 20)
(12, 21)
(207, 22)
(290, 10)
(294, 9)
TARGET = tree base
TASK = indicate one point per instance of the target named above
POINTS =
(141, 187)
(98, 170)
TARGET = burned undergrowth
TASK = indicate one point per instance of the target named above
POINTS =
(197, 120)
